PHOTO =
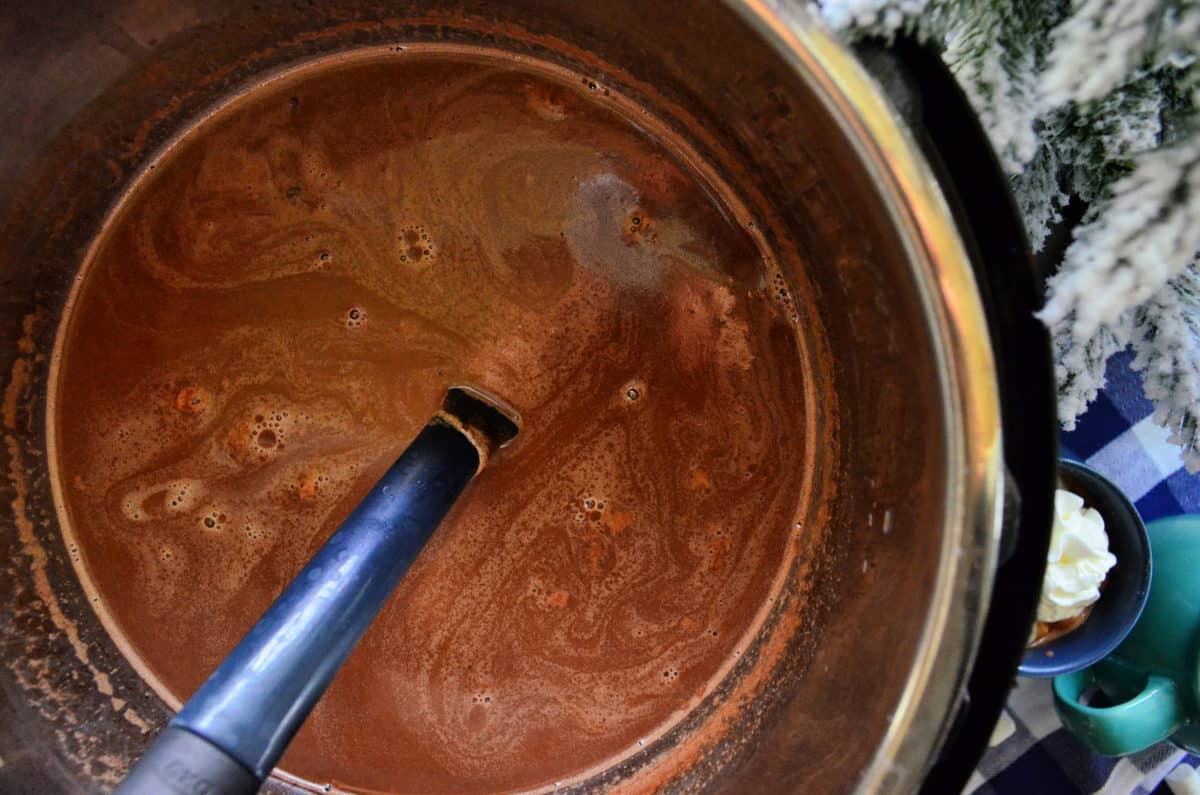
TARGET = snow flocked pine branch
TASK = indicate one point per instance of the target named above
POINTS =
(1095, 100)
(1166, 337)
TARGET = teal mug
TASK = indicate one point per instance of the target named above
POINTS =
(1153, 677)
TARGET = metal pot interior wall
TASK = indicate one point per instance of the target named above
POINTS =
(93, 89)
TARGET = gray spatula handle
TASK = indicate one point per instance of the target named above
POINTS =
(181, 763)
(241, 719)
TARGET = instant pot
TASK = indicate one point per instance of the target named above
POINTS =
(891, 650)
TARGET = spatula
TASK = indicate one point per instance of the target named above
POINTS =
(231, 733)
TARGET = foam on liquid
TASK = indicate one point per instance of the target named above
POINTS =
(278, 307)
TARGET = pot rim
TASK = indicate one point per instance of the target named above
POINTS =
(950, 300)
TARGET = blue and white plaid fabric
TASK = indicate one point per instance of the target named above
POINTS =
(1118, 438)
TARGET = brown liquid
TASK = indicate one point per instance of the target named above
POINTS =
(279, 305)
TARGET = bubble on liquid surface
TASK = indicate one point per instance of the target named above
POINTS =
(415, 246)
(355, 317)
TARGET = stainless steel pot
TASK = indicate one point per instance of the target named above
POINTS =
(887, 643)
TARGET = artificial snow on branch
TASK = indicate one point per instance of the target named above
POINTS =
(1079, 366)
(1116, 35)
(1040, 196)
(1166, 344)
(1000, 87)
(1129, 246)
(1096, 102)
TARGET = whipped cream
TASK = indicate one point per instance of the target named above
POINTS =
(1078, 561)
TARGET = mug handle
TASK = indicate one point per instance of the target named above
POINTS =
(1150, 717)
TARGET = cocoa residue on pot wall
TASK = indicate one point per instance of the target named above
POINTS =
(47, 654)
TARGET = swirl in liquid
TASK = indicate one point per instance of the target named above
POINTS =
(277, 307)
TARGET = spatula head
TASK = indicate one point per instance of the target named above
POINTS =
(498, 421)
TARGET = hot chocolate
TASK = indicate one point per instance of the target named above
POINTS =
(279, 304)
